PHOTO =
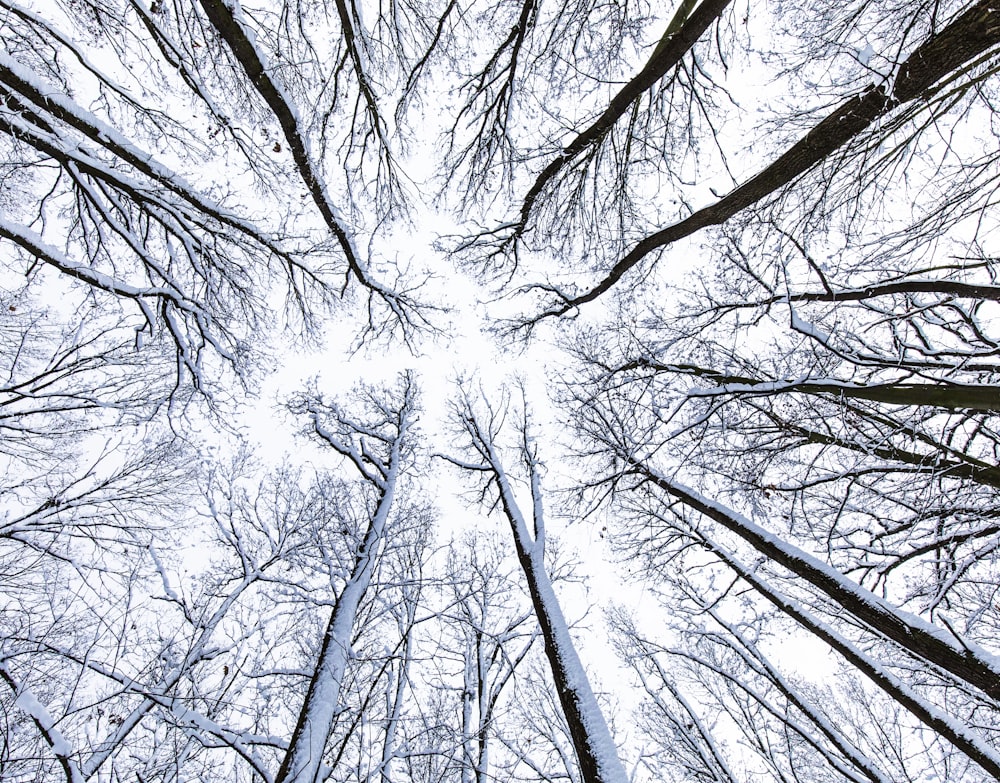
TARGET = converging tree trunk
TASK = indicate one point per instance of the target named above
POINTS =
(595, 749)
(378, 448)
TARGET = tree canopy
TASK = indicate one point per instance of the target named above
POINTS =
(712, 497)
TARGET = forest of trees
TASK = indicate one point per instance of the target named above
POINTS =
(715, 497)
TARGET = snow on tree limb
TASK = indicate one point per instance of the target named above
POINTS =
(929, 69)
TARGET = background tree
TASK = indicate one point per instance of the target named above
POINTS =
(494, 632)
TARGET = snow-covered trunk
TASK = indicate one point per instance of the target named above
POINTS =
(475, 710)
(483, 733)
(469, 688)
(396, 695)
(961, 657)
(303, 761)
(958, 734)
(595, 750)
(376, 447)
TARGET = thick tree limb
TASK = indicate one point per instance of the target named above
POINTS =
(956, 733)
(681, 35)
(947, 287)
(972, 397)
(970, 35)
(223, 17)
(958, 396)
(964, 660)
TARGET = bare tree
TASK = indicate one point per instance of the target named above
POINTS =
(934, 679)
(948, 65)
(592, 743)
(488, 616)
(378, 445)
(103, 207)
(194, 670)
(727, 673)
(798, 436)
